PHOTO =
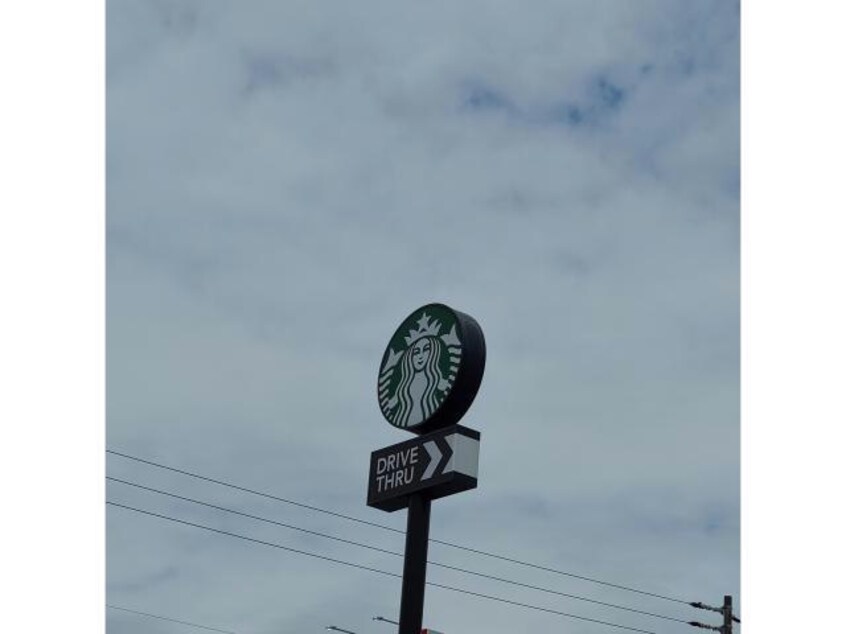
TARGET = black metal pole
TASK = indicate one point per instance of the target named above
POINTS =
(414, 566)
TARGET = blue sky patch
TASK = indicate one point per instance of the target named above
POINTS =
(600, 99)
(481, 97)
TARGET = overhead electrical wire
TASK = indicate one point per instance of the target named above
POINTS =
(254, 492)
(377, 570)
(395, 530)
(167, 618)
(394, 553)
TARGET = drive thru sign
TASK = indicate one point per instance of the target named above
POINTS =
(439, 464)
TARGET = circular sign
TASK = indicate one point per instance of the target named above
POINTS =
(431, 369)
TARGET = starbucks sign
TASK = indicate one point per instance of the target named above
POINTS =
(431, 369)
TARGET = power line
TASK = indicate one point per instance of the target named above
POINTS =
(396, 554)
(167, 618)
(396, 530)
(558, 572)
(251, 539)
(377, 570)
(259, 493)
(255, 517)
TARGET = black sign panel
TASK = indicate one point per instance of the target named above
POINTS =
(437, 464)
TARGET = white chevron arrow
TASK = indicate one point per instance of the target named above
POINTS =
(435, 456)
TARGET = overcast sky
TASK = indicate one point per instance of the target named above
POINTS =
(286, 181)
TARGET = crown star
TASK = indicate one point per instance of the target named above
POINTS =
(427, 328)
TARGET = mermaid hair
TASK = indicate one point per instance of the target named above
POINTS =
(432, 371)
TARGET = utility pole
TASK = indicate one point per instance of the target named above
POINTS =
(727, 615)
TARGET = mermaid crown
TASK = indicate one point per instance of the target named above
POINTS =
(426, 328)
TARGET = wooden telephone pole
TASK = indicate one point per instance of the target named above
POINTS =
(727, 615)
(729, 619)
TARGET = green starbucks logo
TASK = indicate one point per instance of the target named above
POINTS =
(421, 367)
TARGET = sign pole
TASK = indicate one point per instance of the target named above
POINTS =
(428, 378)
(414, 566)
